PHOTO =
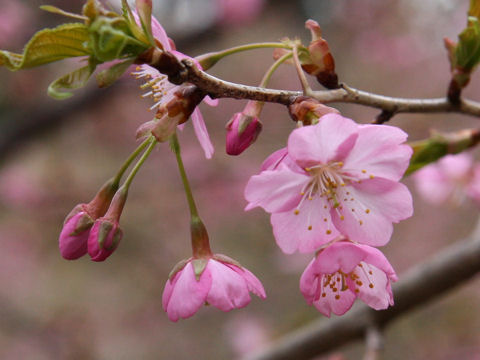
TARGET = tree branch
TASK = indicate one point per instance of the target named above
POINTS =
(423, 283)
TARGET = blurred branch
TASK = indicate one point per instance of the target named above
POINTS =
(23, 126)
(425, 282)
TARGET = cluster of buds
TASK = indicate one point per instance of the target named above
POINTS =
(93, 228)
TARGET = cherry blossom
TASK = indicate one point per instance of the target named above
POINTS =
(345, 271)
(222, 283)
(162, 91)
(451, 179)
(334, 178)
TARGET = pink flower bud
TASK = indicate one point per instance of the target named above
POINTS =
(106, 233)
(73, 238)
(103, 239)
(242, 131)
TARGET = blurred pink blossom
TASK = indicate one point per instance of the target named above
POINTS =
(221, 284)
(451, 179)
(344, 271)
(234, 12)
(246, 334)
(336, 178)
(15, 20)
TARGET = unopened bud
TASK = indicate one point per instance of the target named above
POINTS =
(308, 110)
(242, 131)
(322, 64)
(106, 234)
(74, 235)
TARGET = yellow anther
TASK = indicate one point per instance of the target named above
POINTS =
(337, 297)
(323, 294)
(325, 219)
(372, 176)
(296, 211)
(342, 217)
(329, 232)
(309, 227)
(370, 286)
(359, 283)
(367, 211)
(364, 171)
(360, 222)
(370, 272)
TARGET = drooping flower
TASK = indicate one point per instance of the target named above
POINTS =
(345, 271)
(451, 179)
(334, 178)
(221, 282)
(162, 91)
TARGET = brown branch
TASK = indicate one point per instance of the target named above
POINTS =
(186, 71)
(423, 283)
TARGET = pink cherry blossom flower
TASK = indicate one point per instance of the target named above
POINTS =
(451, 179)
(222, 284)
(162, 91)
(344, 271)
(335, 178)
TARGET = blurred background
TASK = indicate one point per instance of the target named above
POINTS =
(54, 155)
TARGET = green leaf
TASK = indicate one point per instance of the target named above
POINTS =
(49, 45)
(426, 152)
(73, 80)
(107, 77)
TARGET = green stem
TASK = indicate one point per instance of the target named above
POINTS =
(210, 59)
(151, 144)
(273, 68)
(183, 175)
(129, 161)
(301, 75)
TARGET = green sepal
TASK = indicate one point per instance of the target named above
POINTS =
(199, 266)
(74, 80)
(132, 24)
(108, 76)
(424, 153)
(49, 45)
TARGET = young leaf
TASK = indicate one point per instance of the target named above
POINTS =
(49, 45)
(55, 10)
(73, 80)
(107, 77)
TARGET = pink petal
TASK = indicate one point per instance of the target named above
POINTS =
(377, 259)
(274, 159)
(187, 295)
(342, 255)
(202, 133)
(309, 282)
(292, 231)
(253, 284)
(160, 34)
(211, 102)
(374, 290)
(378, 150)
(376, 203)
(229, 289)
(275, 191)
(331, 139)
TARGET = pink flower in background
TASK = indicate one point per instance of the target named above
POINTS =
(453, 178)
(162, 91)
(344, 271)
(221, 284)
(234, 12)
(335, 178)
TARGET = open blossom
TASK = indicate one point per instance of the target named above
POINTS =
(223, 283)
(162, 91)
(334, 178)
(344, 271)
(453, 178)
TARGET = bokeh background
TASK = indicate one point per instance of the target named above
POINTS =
(54, 155)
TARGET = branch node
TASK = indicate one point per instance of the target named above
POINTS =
(383, 117)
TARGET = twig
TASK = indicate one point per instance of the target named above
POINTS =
(425, 282)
